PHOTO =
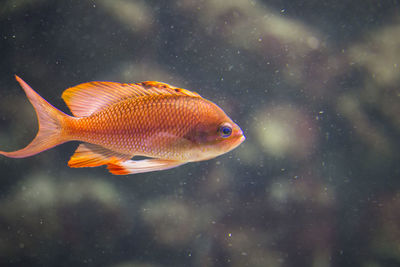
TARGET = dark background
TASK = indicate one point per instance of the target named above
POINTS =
(315, 85)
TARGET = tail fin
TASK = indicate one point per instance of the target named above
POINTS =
(50, 125)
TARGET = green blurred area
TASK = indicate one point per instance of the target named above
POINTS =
(315, 85)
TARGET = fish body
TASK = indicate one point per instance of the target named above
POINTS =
(115, 121)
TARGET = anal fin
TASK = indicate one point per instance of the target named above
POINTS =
(90, 155)
(140, 166)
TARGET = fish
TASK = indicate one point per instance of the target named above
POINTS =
(165, 126)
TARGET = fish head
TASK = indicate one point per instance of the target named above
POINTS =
(215, 135)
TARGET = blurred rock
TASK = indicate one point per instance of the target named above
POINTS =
(10, 6)
(136, 15)
(134, 264)
(386, 240)
(248, 248)
(173, 223)
(286, 131)
(372, 135)
(379, 53)
(44, 215)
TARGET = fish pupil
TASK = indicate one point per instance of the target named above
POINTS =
(225, 131)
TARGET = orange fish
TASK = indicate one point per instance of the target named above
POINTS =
(117, 121)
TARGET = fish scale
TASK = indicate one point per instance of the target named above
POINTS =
(123, 126)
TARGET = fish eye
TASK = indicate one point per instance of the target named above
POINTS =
(225, 130)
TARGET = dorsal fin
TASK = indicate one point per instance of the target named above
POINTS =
(87, 98)
(160, 85)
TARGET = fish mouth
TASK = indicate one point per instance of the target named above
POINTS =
(239, 140)
(241, 136)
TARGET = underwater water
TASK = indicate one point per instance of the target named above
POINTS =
(315, 86)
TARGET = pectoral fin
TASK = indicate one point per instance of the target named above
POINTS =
(141, 166)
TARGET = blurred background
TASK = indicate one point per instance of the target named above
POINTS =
(315, 85)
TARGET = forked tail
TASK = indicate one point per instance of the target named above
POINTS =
(50, 122)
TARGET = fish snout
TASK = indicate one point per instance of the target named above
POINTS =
(239, 137)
